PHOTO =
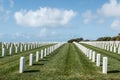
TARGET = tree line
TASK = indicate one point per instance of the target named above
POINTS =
(114, 38)
(77, 40)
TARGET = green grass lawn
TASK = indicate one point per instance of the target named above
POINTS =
(65, 63)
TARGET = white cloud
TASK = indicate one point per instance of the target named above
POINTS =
(6, 15)
(20, 35)
(46, 33)
(1, 8)
(115, 25)
(43, 32)
(101, 21)
(1, 35)
(5, 9)
(88, 16)
(11, 3)
(110, 9)
(44, 17)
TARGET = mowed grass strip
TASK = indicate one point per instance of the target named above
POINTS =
(113, 61)
(78, 66)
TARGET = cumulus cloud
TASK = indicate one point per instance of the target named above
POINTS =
(110, 9)
(115, 25)
(11, 3)
(1, 8)
(44, 16)
(5, 9)
(46, 33)
(43, 32)
(101, 21)
(20, 35)
(1, 35)
(88, 16)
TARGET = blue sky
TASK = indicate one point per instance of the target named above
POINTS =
(58, 20)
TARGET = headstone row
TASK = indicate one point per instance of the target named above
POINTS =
(10, 48)
(112, 46)
(93, 57)
(39, 54)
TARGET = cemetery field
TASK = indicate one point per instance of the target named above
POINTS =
(113, 72)
(65, 63)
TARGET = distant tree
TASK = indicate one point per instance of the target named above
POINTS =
(118, 38)
(104, 39)
(113, 39)
(119, 34)
(87, 40)
(108, 38)
(75, 40)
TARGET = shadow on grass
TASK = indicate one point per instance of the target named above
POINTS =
(44, 60)
(38, 64)
(1, 57)
(31, 71)
(102, 64)
(9, 55)
(114, 71)
(48, 56)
